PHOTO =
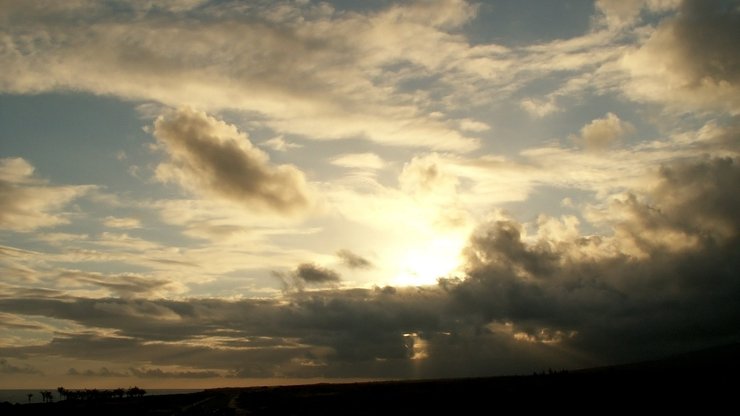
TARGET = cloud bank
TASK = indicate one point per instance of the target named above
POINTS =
(663, 281)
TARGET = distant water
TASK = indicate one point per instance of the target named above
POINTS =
(21, 396)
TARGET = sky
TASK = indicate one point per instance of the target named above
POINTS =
(200, 193)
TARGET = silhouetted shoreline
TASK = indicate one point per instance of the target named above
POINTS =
(703, 380)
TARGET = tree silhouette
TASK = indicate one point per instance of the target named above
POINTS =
(46, 396)
(135, 392)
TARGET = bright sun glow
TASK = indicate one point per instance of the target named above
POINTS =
(426, 262)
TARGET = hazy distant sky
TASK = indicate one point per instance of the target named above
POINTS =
(203, 193)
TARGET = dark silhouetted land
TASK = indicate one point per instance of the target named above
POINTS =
(704, 381)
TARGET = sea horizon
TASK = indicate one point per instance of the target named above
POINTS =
(21, 395)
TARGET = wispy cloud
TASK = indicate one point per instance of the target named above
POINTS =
(28, 202)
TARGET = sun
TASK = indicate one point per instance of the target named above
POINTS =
(429, 260)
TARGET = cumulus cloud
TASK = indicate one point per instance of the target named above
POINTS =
(690, 61)
(602, 133)
(353, 261)
(28, 202)
(618, 288)
(211, 157)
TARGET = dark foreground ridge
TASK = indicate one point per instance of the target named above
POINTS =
(704, 381)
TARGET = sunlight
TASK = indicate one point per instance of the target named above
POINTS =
(427, 261)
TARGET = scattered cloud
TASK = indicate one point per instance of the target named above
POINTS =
(639, 258)
(539, 108)
(690, 61)
(311, 70)
(28, 202)
(601, 133)
(469, 124)
(369, 161)
(122, 222)
(122, 285)
(211, 157)
(312, 274)
(353, 261)
(279, 144)
(159, 373)
(102, 372)
(8, 368)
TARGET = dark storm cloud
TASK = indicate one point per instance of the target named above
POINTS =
(353, 261)
(678, 294)
(212, 157)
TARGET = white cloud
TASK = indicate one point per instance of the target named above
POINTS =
(359, 161)
(469, 124)
(279, 144)
(602, 133)
(539, 108)
(122, 222)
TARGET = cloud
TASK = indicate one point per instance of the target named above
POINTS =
(305, 68)
(602, 133)
(8, 368)
(211, 157)
(123, 285)
(526, 301)
(353, 261)
(279, 144)
(468, 124)
(539, 108)
(690, 61)
(159, 373)
(619, 13)
(427, 176)
(312, 274)
(125, 222)
(369, 161)
(102, 372)
(27, 202)
(646, 282)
